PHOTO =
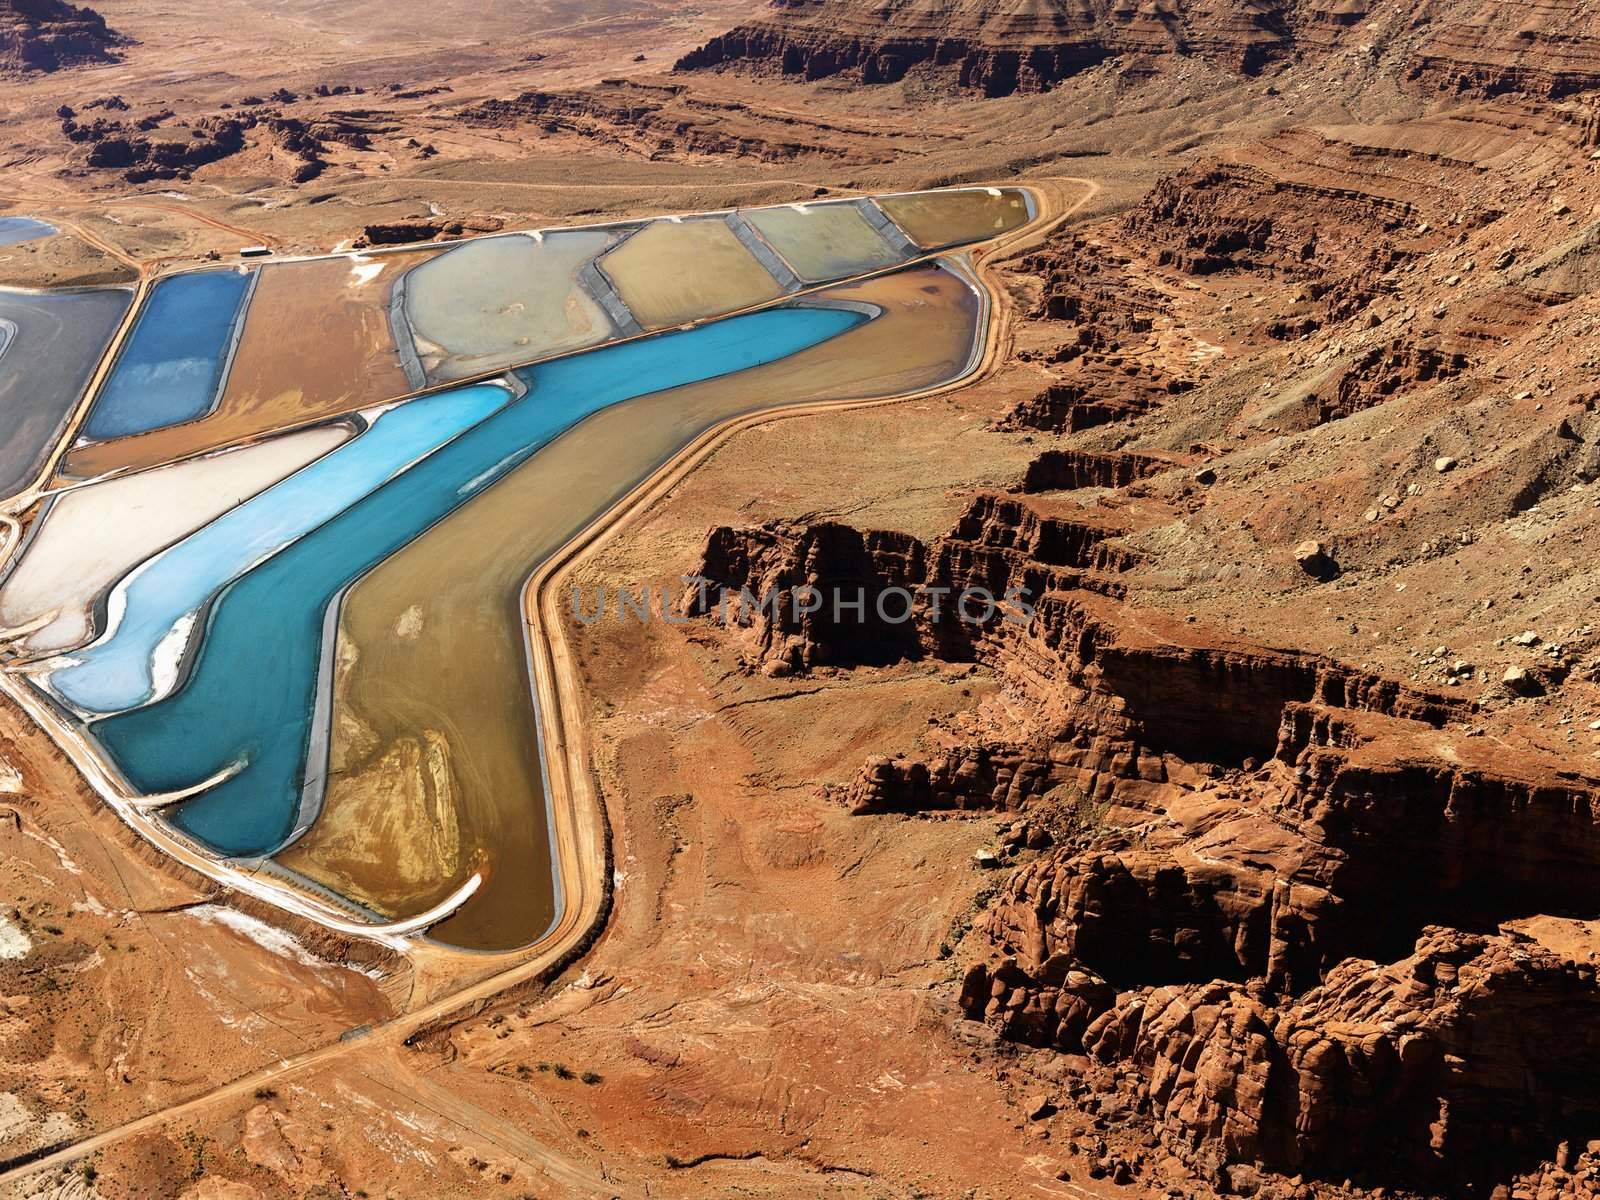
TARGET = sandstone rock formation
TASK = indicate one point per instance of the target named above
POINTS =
(1100, 312)
(1067, 470)
(153, 147)
(765, 582)
(1249, 834)
(1004, 551)
(1445, 1068)
(46, 35)
(650, 121)
(1546, 51)
(1003, 48)
(1337, 242)
(1281, 892)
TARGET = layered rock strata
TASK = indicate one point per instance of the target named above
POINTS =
(1000, 49)
(47, 35)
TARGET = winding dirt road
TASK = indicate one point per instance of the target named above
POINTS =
(248, 236)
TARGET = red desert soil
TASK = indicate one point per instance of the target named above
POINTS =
(1260, 860)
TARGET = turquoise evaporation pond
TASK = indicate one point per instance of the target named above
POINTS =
(251, 692)
(22, 229)
(118, 671)
(171, 367)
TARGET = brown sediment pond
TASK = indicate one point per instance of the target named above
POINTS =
(319, 338)
(672, 272)
(824, 241)
(497, 302)
(316, 343)
(434, 767)
(936, 220)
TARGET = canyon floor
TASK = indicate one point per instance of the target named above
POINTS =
(1260, 861)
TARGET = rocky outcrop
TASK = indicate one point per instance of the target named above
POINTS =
(1224, 217)
(1548, 51)
(1090, 285)
(1240, 918)
(1077, 406)
(1124, 704)
(141, 159)
(1116, 697)
(1178, 688)
(1279, 874)
(1477, 840)
(1068, 470)
(1238, 913)
(1092, 318)
(652, 121)
(814, 595)
(1002, 48)
(1461, 1061)
(400, 233)
(47, 35)
(1005, 541)
(142, 151)
(1384, 372)
(1143, 916)
(881, 57)
(1544, 51)
(1052, 1005)
(801, 596)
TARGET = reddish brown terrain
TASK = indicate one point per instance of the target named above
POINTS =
(1258, 854)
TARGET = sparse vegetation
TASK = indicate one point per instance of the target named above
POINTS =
(1083, 816)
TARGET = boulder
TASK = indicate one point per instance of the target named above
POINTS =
(1315, 560)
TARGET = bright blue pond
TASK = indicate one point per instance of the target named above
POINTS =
(171, 367)
(22, 229)
(117, 672)
(252, 688)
